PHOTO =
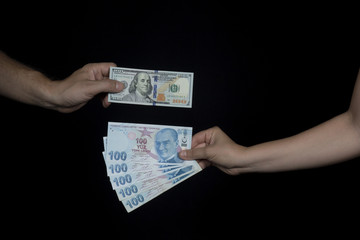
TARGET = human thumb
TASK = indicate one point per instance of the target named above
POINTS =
(195, 153)
(106, 85)
(113, 86)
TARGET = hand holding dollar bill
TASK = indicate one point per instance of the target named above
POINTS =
(142, 160)
(153, 87)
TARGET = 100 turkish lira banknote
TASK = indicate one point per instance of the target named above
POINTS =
(142, 160)
(153, 87)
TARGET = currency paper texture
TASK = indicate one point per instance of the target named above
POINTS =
(153, 87)
(142, 160)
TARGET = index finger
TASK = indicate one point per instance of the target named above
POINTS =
(105, 67)
(100, 70)
(204, 138)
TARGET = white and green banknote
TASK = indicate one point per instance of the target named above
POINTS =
(153, 87)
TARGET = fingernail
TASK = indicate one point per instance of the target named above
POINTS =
(182, 153)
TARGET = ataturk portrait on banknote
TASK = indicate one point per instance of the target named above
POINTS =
(166, 144)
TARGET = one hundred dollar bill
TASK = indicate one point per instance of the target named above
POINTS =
(153, 87)
(142, 160)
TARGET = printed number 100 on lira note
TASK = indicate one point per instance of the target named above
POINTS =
(153, 87)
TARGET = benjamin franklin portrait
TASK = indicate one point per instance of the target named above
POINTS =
(140, 88)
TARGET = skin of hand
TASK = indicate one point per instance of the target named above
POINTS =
(333, 141)
(212, 147)
(75, 91)
(24, 84)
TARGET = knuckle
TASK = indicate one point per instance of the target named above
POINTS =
(216, 128)
(206, 152)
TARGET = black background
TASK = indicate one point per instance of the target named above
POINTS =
(262, 72)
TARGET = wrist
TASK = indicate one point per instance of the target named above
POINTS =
(44, 89)
(250, 159)
(237, 160)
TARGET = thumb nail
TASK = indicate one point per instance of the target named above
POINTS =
(182, 153)
(117, 86)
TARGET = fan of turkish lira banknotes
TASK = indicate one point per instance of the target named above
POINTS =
(142, 160)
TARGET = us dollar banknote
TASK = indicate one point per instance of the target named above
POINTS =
(153, 87)
(142, 160)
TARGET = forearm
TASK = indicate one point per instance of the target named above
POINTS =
(22, 83)
(331, 142)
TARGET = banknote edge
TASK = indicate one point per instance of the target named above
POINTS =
(156, 195)
(189, 105)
